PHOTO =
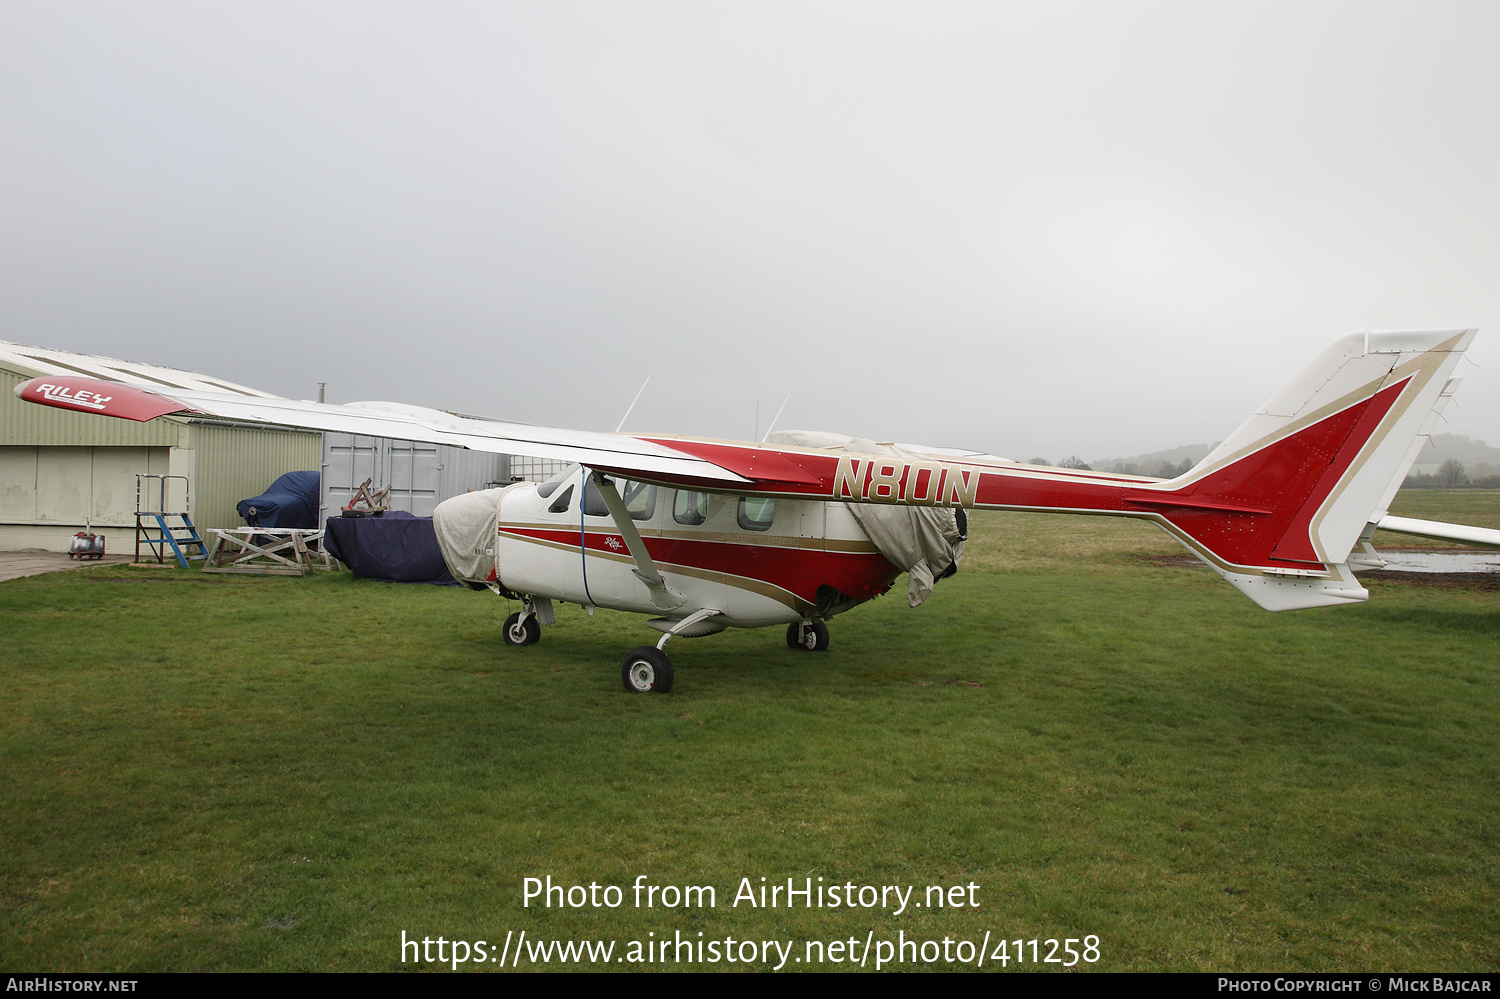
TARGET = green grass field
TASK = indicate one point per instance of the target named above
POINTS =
(211, 772)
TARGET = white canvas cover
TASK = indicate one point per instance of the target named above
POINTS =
(922, 540)
(466, 527)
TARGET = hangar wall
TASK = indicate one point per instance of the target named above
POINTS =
(234, 463)
(62, 471)
(28, 424)
(49, 493)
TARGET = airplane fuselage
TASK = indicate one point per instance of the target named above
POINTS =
(758, 562)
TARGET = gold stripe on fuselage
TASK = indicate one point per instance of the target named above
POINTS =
(839, 545)
(760, 586)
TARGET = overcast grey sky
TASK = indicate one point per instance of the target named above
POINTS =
(1036, 229)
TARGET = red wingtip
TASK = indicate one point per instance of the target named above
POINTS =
(91, 395)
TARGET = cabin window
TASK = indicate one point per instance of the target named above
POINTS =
(640, 499)
(756, 513)
(550, 486)
(560, 505)
(690, 508)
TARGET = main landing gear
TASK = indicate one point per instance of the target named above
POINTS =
(646, 668)
(809, 636)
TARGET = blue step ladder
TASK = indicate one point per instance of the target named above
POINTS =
(159, 530)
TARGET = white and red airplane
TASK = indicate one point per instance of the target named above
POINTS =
(709, 534)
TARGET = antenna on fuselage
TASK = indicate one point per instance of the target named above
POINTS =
(632, 403)
(776, 417)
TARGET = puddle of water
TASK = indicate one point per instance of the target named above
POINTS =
(1442, 561)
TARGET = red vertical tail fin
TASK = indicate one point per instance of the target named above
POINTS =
(1277, 508)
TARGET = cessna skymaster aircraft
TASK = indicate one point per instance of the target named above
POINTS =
(706, 534)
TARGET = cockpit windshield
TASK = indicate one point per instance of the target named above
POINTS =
(640, 499)
(550, 486)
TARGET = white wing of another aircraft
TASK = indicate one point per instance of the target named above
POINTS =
(1440, 531)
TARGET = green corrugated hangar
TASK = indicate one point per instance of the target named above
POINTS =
(62, 471)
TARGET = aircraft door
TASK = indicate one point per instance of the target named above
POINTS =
(609, 571)
(537, 549)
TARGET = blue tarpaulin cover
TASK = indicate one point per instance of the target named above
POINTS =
(394, 546)
(291, 501)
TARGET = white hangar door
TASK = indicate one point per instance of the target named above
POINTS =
(413, 470)
(420, 475)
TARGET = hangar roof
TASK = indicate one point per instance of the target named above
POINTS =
(35, 361)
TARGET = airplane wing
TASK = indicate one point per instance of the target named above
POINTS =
(809, 472)
(613, 452)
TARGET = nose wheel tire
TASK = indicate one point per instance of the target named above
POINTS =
(518, 632)
(811, 637)
(645, 669)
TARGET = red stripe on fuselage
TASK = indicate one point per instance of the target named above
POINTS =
(800, 571)
(798, 473)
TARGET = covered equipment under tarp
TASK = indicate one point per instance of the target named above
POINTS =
(466, 527)
(291, 501)
(924, 541)
(393, 546)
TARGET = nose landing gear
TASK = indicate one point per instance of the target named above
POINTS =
(525, 628)
(522, 629)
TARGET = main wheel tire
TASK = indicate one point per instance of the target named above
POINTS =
(645, 669)
(814, 639)
(518, 632)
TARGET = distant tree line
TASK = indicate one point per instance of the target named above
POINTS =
(1073, 461)
(1451, 474)
(1161, 470)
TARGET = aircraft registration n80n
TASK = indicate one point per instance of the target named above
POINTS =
(704, 534)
